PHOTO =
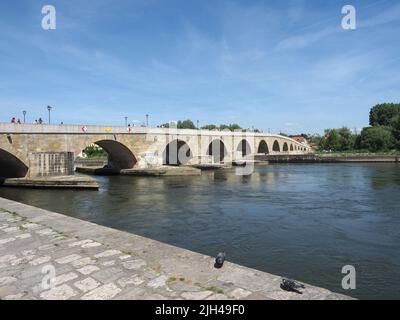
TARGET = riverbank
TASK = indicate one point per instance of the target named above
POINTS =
(328, 158)
(57, 182)
(96, 262)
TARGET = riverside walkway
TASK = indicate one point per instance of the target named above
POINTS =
(46, 255)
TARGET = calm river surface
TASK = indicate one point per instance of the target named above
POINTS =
(300, 221)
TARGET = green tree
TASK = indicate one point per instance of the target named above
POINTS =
(347, 139)
(395, 124)
(383, 114)
(377, 138)
(186, 124)
(95, 152)
(234, 126)
(209, 127)
(338, 140)
(330, 141)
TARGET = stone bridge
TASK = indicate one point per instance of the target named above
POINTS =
(28, 150)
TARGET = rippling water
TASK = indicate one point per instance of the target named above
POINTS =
(300, 221)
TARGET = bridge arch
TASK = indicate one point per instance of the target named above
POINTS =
(276, 146)
(217, 149)
(291, 147)
(285, 147)
(244, 147)
(119, 155)
(263, 147)
(11, 166)
(177, 152)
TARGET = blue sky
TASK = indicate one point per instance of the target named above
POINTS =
(286, 65)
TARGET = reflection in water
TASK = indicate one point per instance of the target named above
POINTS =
(300, 221)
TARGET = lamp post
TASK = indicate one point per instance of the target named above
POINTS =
(49, 109)
(197, 124)
(24, 113)
(147, 120)
(126, 121)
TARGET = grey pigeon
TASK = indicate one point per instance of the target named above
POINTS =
(290, 285)
(219, 260)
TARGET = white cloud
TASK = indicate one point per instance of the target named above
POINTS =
(304, 40)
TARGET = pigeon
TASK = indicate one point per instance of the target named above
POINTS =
(290, 285)
(219, 260)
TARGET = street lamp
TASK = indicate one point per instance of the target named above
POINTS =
(126, 121)
(49, 109)
(147, 120)
(24, 113)
(197, 124)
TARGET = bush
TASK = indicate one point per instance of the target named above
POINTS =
(377, 138)
(338, 140)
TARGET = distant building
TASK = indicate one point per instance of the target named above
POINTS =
(299, 139)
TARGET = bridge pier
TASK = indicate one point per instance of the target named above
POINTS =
(48, 164)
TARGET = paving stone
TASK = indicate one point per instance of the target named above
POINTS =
(217, 296)
(107, 253)
(91, 245)
(7, 280)
(31, 225)
(132, 293)
(68, 259)
(22, 260)
(105, 292)
(158, 282)
(45, 232)
(87, 284)
(80, 243)
(239, 293)
(28, 252)
(83, 262)
(109, 274)
(6, 240)
(63, 292)
(47, 247)
(86, 270)
(108, 263)
(134, 280)
(17, 296)
(134, 264)
(7, 258)
(201, 295)
(23, 236)
(40, 260)
(65, 278)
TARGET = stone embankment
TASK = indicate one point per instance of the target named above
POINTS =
(313, 158)
(57, 182)
(46, 255)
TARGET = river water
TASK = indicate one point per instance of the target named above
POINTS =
(300, 221)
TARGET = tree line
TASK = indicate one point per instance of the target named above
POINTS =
(383, 133)
(188, 124)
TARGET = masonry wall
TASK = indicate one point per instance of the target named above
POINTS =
(43, 164)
